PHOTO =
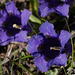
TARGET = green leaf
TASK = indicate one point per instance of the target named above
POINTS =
(23, 54)
(34, 6)
(20, 60)
(32, 18)
(55, 71)
(50, 72)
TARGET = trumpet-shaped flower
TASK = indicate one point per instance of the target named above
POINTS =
(12, 23)
(47, 47)
(59, 6)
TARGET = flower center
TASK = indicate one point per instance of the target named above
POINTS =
(55, 3)
(12, 21)
(50, 44)
(12, 25)
(50, 47)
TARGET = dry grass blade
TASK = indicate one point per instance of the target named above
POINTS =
(7, 54)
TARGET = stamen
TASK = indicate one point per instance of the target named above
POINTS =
(62, 0)
(16, 26)
(55, 48)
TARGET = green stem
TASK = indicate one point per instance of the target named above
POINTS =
(21, 66)
(1, 67)
(11, 68)
(64, 71)
(31, 27)
(27, 57)
(71, 43)
(12, 63)
(19, 72)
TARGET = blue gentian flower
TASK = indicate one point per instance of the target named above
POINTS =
(59, 6)
(48, 47)
(12, 24)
